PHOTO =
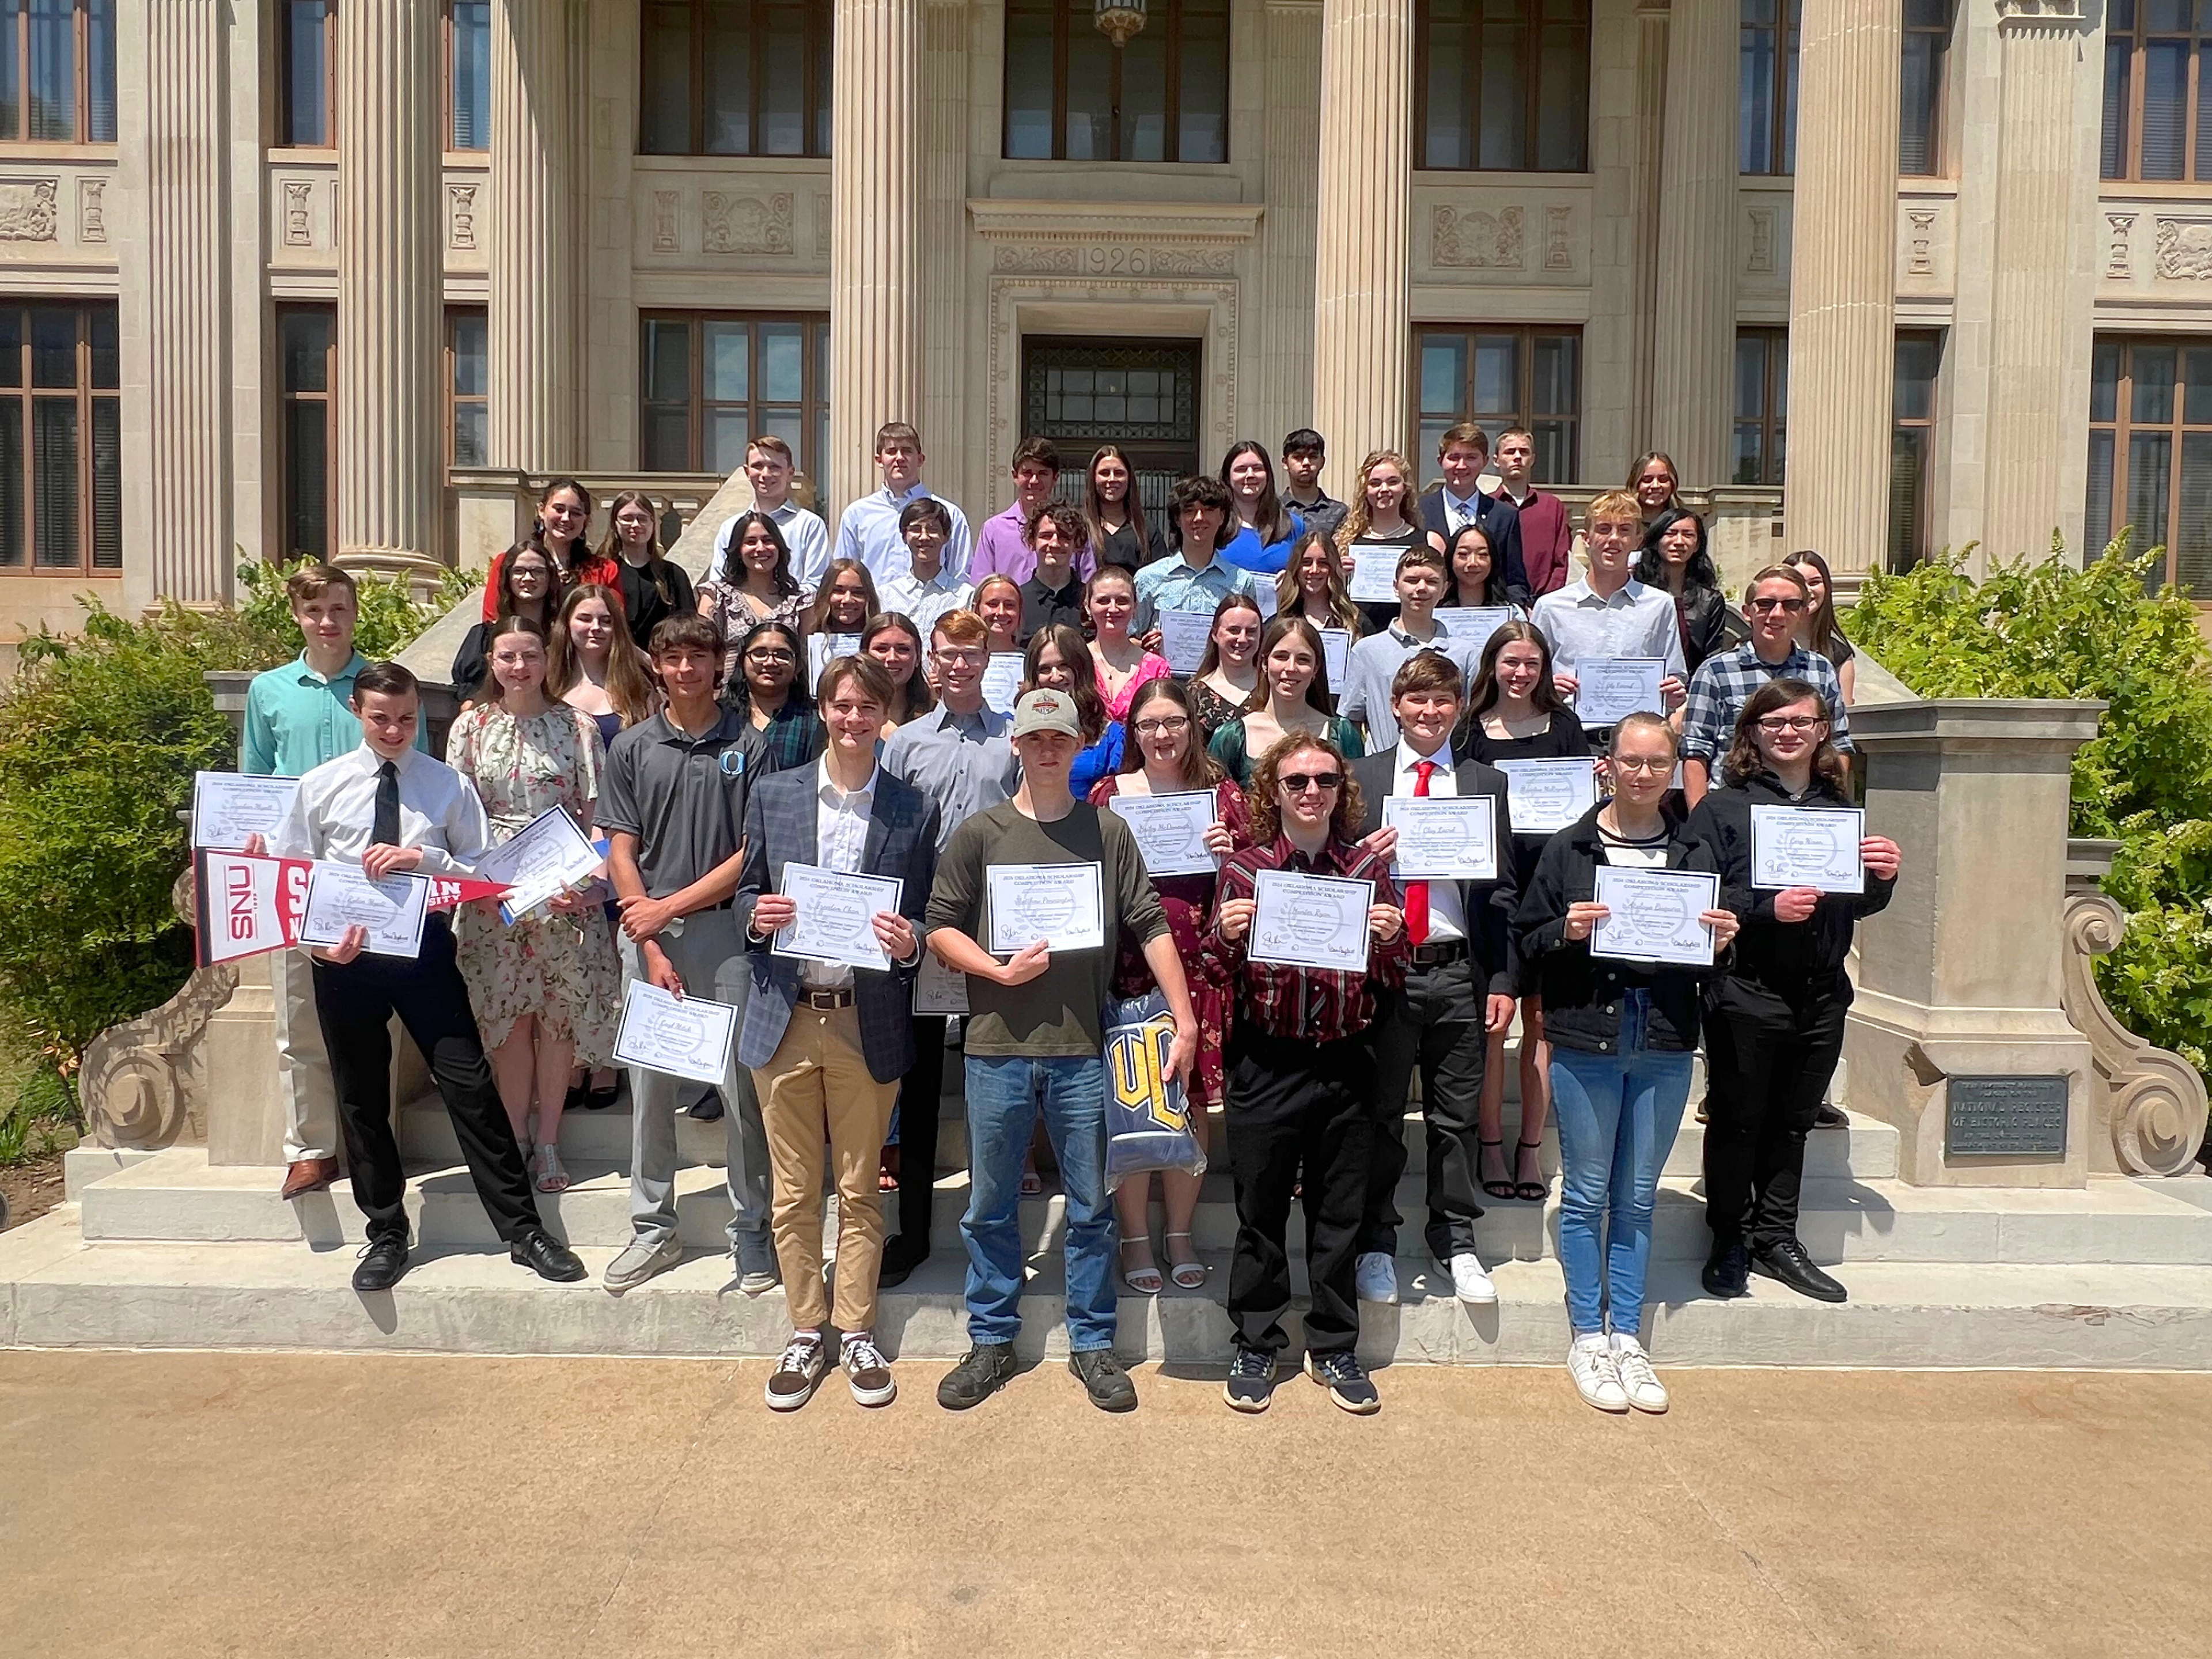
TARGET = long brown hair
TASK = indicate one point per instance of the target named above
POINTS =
(1744, 760)
(1230, 602)
(915, 697)
(1199, 770)
(1289, 591)
(1821, 633)
(627, 687)
(1317, 691)
(733, 570)
(1270, 518)
(492, 691)
(1259, 796)
(1485, 690)
(1094, 504)
(1357, 522)
(579, 550)
(656, 561)
(817, 620)
(505, 602)
(1075, 652)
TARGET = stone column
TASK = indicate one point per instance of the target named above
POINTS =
(534, 344)
(1362, 260)
(1694, 347)
(1292, 125)
(389, 446)
(1651, 17)
(188, 467)
(875, 262)
(2033, 339)
(945, 249)
(1843, 280)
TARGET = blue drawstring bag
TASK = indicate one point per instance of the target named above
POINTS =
(1147, 1111)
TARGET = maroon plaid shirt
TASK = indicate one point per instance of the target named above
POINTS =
(1313, 1003)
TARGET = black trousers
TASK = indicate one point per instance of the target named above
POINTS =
(356, 1002)
(1436, 1023)
(1296, 1105)
(1768, 1063)
(920, 1100)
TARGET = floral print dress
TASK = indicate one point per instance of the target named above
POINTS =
(562, 968)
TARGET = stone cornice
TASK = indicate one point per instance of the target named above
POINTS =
(1184, 222)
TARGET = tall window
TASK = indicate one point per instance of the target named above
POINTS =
(2158, 109)
(2150, 453)
(1762, 393)
(1506, 84)
(713, 380)
(1912, 444)
(61, 442)
(1501, 377)
(1766, 88)
(306, 346)
(1920, 117)
(466, 382)
(58, 70)
(468, 73)
(1072, 95)
(735, 77)
(306, 32)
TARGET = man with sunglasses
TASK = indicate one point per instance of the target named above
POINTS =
(1774, 604)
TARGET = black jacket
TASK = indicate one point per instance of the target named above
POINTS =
(1581, 993)
(1708, 626)
(1487, 905)
(1795, 961)
(1501, 522)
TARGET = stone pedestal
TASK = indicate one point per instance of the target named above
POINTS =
(1694, 344)
(1963, 976)
(246, 1104)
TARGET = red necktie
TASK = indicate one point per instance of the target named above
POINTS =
(1417, 892)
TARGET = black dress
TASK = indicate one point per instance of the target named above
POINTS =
(1121, 547)
(642, 603)
(1564, 739)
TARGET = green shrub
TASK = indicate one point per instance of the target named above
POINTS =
(2049, 630)
(389, 619)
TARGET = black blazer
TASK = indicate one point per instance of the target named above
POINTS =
(1487, 905)
(1501, 522)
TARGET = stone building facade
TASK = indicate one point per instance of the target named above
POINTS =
(345, 276)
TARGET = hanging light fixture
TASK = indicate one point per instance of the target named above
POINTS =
(1118, 19)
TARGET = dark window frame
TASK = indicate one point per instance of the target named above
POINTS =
(1527, 82)
(287, 460)
(456, 399)
(817, 39)
(2121, 425)
(453, 104)
(82, 24)
(1772, 421)
(2130, 38)
(1166, 15)
(813, 403)
(287, 19)
(1931, 21)
(100, 546)
(1780, 138)
(1525, 337)
(1908, 543)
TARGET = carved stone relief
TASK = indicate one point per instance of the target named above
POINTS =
(139, 1078)
(746, 224)
(2153, 1104)
(2184, 250)
(92, 209)
(299, 224)
(663, 220)
(2119, 259)
(1468, 240)
(461, 215)
(1558, 255)
(1069, 259)
(822, 226)
(1759, 246)
(27, 209)
(1919, 262)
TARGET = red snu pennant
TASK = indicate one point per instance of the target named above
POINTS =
(245, 903)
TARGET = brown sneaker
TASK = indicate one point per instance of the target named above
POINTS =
(310, 1174)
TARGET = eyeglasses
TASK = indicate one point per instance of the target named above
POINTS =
(1777, 724)
(770, 657)
(960, 658)
(1642, 764)
(1777, 605)
(1298, 783)
(1173, 725)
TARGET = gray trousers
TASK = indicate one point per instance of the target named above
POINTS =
(705, 951)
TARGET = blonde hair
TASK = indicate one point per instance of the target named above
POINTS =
(1614, 503)
(1356, 522)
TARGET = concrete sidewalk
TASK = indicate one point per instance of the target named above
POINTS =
(182, 1505)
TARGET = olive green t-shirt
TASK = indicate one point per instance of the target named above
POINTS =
(1055, 1015)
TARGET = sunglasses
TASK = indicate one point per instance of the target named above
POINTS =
(1777, 605)
(1298, 783)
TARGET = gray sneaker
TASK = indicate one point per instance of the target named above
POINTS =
(755, 1259)
(640, 1261)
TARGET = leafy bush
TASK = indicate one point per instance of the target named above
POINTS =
(389, 619)
(2049, 630)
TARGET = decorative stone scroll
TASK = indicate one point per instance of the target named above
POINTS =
(1468, 240)
(26, 210)
(2184, 250)
(92, 209)
(745, 224)
(2154, 1100)
(137, 1085)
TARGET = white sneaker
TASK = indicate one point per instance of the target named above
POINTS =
(1376, 1277)
(1590, 1362)
(1637, 1380)
(1470, 1283)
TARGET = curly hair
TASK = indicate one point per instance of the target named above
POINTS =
(1357, 521)
(1259, 796)
(1198, 490)
(1065, 520)
(1745, 762)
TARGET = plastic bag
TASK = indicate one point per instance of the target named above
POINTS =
(1147, 1111)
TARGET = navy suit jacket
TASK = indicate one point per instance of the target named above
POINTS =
(781, 823)
(1501, 522)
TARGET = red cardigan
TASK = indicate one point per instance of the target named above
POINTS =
(1544, 541)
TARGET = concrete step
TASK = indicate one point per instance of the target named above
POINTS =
(178, 1196)
(57, 1291)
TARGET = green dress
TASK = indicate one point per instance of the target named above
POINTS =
(1228, 746)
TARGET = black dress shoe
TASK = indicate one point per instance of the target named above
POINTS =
(1826, 1116)
(1788, 1263)
(708, 1110)
(381, 1264)
(546, 1257)
(598, 1100)
(900, 1260)
(1728, 1270)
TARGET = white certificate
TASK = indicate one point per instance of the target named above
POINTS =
(540, 862)
(1609, 689)
(1264, 592)
(1336, 654)
(1473, 625)
(1061, 904)
(683, 1037)
(820, 650)
(1183, 634)
(1654, 915)
(340, 896)
(228, 806)
(1542, 796)
(1807, 847)
(1375, 575)
(1171, 830)
(1310, 922)
(939, 989)
(1444, 837)
(836, 916)
(1002, 681)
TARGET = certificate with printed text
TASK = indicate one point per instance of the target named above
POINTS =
(1609, 689)
(1653, 915)
(1373, 578)
(939, 989)
(1444, 837)
(1807, 847)
(540, 862)
(684, 1036)
(1062, 904)
(1170, 830)
(228, 806)
(1336, 654)
(1473, 625)
(1002, 681)
(339, 897)
(1183, 634)
(1545, 796)
(836, 919)
(1310, 921)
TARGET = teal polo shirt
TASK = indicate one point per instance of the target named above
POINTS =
(296, 720)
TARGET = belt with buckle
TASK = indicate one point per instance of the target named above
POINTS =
(1430, 955)
(825, 1000)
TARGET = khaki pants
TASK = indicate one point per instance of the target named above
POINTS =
(303, 1064)
(818, 1086)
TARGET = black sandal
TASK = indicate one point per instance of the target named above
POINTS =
(1530, 1191)
(1501, 1187)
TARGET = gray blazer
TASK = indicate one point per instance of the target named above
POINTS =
(1487, 904)
(781, 827)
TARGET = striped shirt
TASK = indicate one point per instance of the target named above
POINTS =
(1319, 1004)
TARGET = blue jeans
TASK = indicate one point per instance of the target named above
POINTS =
(1004, 1094)
(1617, 1114)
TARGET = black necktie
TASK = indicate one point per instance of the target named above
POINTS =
(386, 831)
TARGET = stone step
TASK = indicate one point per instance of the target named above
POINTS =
(57, 1290)
(179, 1197)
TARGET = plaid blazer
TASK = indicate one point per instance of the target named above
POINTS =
(781, 827)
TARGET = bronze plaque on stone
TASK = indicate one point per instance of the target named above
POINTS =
(2006, 1117)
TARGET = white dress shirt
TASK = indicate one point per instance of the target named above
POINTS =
(1633, 621)
(841, 841)
(804, 532)
(1446, 916)
(868, 530)
(925, 601)
(335, 810)
(1458, 514)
